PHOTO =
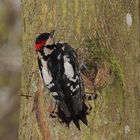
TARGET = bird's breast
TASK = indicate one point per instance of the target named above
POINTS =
(47, 77)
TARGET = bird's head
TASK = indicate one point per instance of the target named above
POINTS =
(44, 39)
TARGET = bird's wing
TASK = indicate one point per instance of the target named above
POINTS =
(74, 88)
(51, 71)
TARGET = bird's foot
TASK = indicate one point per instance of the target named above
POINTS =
(89, 107)
(53, 115)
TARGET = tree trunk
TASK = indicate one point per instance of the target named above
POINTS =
(113, 26)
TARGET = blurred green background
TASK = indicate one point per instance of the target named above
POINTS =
(10, 67)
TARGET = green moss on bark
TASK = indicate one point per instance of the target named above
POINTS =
(96, 53)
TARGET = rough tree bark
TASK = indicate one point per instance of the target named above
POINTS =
(116, 112)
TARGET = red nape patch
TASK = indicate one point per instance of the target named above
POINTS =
(39, 45)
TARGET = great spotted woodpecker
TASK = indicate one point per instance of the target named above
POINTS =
(59, 69)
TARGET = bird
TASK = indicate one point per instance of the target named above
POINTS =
(60, 72)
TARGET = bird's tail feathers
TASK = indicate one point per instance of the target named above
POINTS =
(76, 118)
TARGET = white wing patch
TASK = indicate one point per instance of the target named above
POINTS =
(74, 79)
(68, 84)
(74, 89)
(69, 72)
(54, 94)
(59, 57)
(47, 51)
(51, 85)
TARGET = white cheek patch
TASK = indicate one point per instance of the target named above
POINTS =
(47, 51)
(46, 76)
(50, 41)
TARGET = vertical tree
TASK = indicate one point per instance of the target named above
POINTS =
(105, 34)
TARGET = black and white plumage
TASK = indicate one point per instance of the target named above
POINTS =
(59, 69)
